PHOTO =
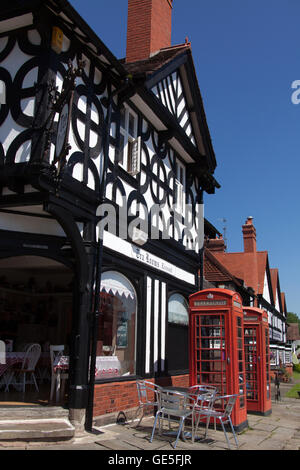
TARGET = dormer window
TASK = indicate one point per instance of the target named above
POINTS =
(130, 142)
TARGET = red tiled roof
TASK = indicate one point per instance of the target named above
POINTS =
(274, 279)
(283, 302)
(215, 271)
(156, 61)
(251, 267)
(262, 259)
(248, 266)
(292, 333)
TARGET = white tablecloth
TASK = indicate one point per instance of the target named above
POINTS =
(106, 366)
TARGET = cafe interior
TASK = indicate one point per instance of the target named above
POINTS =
(35, 309)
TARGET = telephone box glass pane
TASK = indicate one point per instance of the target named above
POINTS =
(240, 358)
(251, 363)
(210, 354)
(267, 363)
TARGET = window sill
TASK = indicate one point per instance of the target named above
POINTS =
(121, 378)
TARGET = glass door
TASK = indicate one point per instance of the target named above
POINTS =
(210, 351)
(251, 363)
(267, 351)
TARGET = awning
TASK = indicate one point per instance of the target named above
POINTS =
(115, 283)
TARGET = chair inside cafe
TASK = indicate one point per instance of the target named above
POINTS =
(35, 309)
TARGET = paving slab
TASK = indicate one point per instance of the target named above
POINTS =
(271, 444)
(145, 444)
(265, 426)
(251, 439)
(278, 431)
(114, 444)
(292, 445)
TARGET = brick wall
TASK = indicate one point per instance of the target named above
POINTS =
(113, 401)
(148, 27)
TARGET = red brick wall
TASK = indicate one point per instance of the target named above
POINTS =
(288, 367)
(113, 398)
(148, 27)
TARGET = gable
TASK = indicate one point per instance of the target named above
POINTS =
(277, 302)
(277, 299)
(167, 84)
(170, 93)
(266, 289)
(276, 289)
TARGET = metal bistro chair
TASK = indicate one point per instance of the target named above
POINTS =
(223, 415)
(148, 396)
(30, 360)
(205, 396)
(175, 407)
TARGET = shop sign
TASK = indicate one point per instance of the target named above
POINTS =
(209, 303)
(143, 256)
(152, 260)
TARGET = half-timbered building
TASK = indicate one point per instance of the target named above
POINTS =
(104, 164)
(250, 274)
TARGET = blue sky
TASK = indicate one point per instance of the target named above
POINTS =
(247, 56)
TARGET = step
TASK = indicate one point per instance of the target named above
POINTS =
(33, 429)
(32, 412)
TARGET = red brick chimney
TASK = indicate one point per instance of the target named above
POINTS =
(148, 28)
(249, 235)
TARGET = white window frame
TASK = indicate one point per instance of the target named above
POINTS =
(131, 151)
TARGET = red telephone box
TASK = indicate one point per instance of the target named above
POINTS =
(217, 346)
(257, 361)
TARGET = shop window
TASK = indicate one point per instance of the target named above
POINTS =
(177, 339)
(130, 142)
(178, 310)
(116, 339)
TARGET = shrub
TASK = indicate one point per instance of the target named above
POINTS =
(295, 360)
(296, 367)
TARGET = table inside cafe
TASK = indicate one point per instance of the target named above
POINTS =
(105, 367)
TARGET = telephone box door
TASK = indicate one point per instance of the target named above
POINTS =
(217, 346)
(252, 367)
(210, 353)
(257, 364)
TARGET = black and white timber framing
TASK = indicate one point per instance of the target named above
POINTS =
(54, 217)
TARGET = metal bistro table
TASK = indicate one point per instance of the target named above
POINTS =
(187, 392)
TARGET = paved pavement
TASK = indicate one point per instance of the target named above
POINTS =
(278, 431)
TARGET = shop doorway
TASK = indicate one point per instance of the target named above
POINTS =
(36, 295)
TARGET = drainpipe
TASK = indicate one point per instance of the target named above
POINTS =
(96, 312)
(201, 248)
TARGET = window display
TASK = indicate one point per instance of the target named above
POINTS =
(177, 335)
(178, 310)
(117, 326)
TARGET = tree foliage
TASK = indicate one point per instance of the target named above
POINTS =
(293, 318)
